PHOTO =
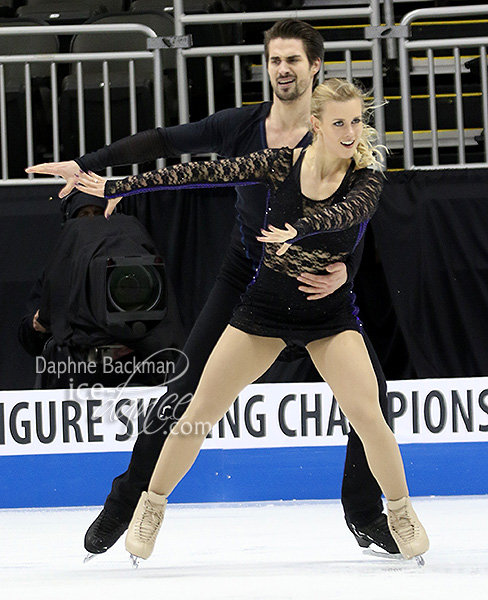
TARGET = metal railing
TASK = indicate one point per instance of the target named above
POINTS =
(429, 46)
(77, 60)
(349, 66)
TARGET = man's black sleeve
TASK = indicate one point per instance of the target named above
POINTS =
(204, 136)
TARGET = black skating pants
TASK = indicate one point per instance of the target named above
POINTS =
(361, 495)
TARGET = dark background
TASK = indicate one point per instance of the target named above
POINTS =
(422, 288)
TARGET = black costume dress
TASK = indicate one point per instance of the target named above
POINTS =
(328, 231)
(230, 132)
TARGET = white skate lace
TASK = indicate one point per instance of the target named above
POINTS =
(152, 517)
(401, 522)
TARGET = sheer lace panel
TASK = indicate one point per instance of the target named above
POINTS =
(270, 165)
(298, 260)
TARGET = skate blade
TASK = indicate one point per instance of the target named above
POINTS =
(420, 560)
(382, 554)
(88, 557)
(134, 561)
(379, 554)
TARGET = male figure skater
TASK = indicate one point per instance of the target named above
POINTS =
(294, 54)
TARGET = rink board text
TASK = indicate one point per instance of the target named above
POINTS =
(278, 441)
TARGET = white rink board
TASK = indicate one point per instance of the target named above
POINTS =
(291, 415)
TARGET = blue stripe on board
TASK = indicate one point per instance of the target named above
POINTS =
(238, 475)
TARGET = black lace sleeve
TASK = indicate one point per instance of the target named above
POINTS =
(270, 166)
(358, 205)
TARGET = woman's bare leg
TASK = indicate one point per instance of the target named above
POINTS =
(343, 362)
(237, 360)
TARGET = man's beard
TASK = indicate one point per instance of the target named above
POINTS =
(291, 95)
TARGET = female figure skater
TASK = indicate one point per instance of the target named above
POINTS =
(319, 202)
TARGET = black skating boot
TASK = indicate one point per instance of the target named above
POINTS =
(376, 532)
(103, 533)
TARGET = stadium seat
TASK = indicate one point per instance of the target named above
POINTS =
(119, 82)
(14, 78)
(67, 11)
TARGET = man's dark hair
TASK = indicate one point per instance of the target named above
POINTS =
(313, 42)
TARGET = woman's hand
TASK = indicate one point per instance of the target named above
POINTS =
(93, 184)
(273, 235)
(65, 169)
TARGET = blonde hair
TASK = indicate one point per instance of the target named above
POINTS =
(341, 90)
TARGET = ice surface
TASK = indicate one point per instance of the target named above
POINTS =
(268, 551)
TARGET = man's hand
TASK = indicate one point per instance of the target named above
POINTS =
(37, 326)
(65, 169)
(320, 286)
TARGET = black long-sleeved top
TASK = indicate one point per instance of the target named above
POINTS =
(353, 204)
(228, 133)
(328, 230)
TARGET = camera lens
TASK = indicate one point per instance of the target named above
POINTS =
(134, 288)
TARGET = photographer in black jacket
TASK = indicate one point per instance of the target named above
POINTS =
(79, 324)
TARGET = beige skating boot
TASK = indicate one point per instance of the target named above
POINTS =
(406, 529)
(145, 525)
